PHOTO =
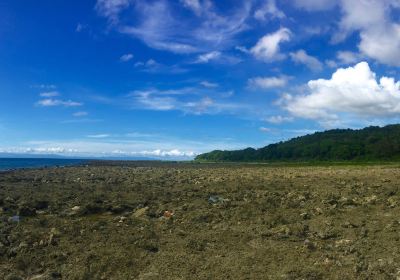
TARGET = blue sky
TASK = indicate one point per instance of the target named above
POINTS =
(172, 79)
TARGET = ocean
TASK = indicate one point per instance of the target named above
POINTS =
(17, 163)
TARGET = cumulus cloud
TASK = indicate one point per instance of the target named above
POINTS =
(269, 9)
(348, 57)
(267, 82)
(344, 58)
(303, 58)
(353, 91)
(49, 102)
(379, 33)
(126, 57)
(267, 48)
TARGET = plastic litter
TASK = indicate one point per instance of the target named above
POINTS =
(15, 219)
(215, 199)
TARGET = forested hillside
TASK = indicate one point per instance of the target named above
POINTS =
(371, 143)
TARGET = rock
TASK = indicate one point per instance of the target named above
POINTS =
(118, 209)
(41, 204)
(140, 212)
(370, 199)
(309, 245)
(22, 245)
(305, 216)
(392, 202)
(3, 249)
(9, 200)
(92, 208)
(76, 208)
(26, 211)
(13, 277)
(168, 214)
(327, 234)
(54, 234)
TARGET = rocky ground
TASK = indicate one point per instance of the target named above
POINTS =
(195, 221)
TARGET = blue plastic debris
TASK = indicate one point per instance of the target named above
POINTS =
(15, 219)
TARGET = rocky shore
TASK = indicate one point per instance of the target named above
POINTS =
(195, 221)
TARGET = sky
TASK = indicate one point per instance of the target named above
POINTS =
(172, 79)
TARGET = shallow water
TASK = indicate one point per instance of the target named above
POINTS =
(17, 163)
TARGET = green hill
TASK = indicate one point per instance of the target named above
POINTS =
(371, 143)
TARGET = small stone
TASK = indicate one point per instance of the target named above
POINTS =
(76, 208)
(309, 245)
(25, 211)
(140, 212)
(305, 216)
(54, 233)
(371, 199)
(392, 202)
(13, 277)
(23, 245)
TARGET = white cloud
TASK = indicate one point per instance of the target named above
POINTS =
(315, 5)
(170, 153)
(111, 8)
(311, 62)
(127, 145)
(193, 5)
(188, 100)
(80, 27)
(265, 129)
(348, 57)
(352, 91)
(50, 94)
(331, 63)
(268, 9)
(344, 58)
(99, 136)
(208, 84)
(267, 82)
(126, 57)
(49, 102)
(80, 114)
(45, 87)
(207, 57)
(267, 48)
(158, 26)
(152, 66)
(379, 34)
(278, 119)
(217, 57)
